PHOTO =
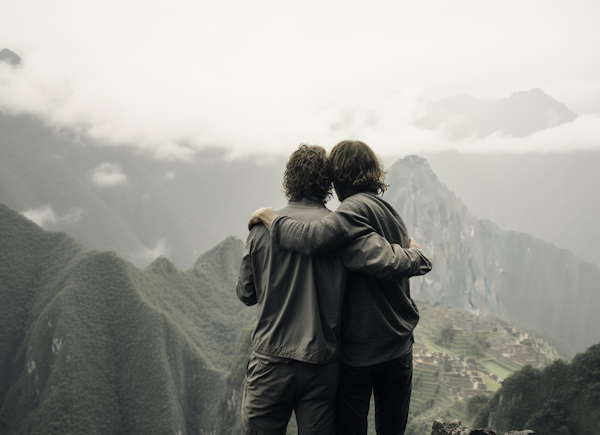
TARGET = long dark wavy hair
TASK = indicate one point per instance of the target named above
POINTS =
(355, 165)
(308, 173)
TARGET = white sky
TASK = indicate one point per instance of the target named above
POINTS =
(171, 77)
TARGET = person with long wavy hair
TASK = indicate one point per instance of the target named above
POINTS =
(295, 363)
(378, 316)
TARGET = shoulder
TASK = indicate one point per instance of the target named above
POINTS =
(368, 204)
(304, 213)
(360, 201)
(259, 235)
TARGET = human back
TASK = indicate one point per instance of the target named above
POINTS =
(299, 296)
(378, 316)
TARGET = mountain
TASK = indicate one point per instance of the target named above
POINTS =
(521, 114)
(9, 57)
(484, 198)
(112, 198)
(91, 344)
(478, 266)
(563, 398)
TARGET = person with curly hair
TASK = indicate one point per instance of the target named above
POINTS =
(295, 362)
(378, 316)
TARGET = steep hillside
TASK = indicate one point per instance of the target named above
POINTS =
(112, 198)
(91, 344)
(562, 398)
(514, 276)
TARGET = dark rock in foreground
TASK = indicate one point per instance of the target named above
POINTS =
(455, 428)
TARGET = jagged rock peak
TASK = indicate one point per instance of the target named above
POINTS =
(417, 160)
(412, 160)
(9, 57)
(455, 428)
(416, 165)
(162, 265)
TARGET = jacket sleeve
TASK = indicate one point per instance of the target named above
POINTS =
(334, 230)
(373, 255)
(245, 289)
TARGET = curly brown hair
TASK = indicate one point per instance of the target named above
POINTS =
(355, 165)
(308, 173)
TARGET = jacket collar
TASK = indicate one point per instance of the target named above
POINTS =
(308, 200)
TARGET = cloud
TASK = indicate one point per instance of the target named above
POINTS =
(45, 216)
(246, 123)
(580, 134)
(161, 248)
(170, 175)
(108, 175)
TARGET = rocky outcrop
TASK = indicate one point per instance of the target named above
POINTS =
(455, 428)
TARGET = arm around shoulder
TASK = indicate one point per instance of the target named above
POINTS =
(374, 255)
(330, 232)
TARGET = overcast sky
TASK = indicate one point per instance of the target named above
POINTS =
(171, 77)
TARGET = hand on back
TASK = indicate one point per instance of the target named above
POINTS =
(264, 215)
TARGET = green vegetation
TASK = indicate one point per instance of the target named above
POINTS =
(563, 398)
(446, 336)
(498, 368)
(229, 407)
(491, 384)
(91, 344)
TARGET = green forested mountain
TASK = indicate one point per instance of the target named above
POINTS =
(91, 344)
(563, 398)
(526, 281)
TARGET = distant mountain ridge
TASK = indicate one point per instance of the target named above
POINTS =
(91, 344)
(521, 114)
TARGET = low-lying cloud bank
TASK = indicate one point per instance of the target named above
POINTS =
(173, 122)
(45, 216)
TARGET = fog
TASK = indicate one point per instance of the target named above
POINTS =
(172, 78)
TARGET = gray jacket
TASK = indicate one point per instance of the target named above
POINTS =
(300, 296)
(378, 316)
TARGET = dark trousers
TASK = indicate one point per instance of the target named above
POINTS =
(274, 389)
(390, 382)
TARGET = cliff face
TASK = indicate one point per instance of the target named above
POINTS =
(478, 266)
(91, 344)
